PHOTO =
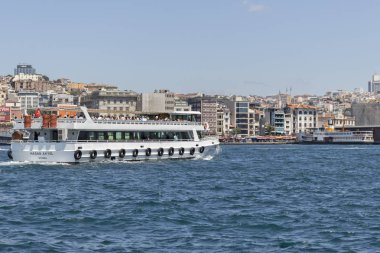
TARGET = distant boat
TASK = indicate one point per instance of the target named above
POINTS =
(337, 137)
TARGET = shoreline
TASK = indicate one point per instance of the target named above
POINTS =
(256, 143)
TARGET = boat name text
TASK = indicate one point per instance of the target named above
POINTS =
(41, 153)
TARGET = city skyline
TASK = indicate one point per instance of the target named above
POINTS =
(217, 47)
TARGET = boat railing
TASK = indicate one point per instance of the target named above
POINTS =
(97, 141)
(147, 122)
(117, 122)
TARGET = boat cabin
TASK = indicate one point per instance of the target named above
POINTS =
(176, 126)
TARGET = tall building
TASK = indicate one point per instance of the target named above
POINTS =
(374, 86)
(240, 117)
(159, 101)
(208, 107)
(223, 120)
(276, 118)
(196, 105)
(214, 114)
(25, 69)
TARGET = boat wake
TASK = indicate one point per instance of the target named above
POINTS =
(211, 155)
(205, 158)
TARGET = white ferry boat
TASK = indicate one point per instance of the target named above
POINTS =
(344, 137)
(84, 139)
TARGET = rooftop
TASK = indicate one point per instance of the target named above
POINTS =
(301, 106)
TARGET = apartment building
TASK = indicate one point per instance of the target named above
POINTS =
(303, 118)
(160, 101)
(112, 102)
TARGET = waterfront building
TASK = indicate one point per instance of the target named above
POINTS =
(304, 117)
(215, 115)
(251, 122)
(160, 101)
(209, 115)
(240, 116)
(208, 107)
(336, 121)
(222, 120)
(276, 118)
(112, 102)
(24, 69)
(259, 122)
(278, 121)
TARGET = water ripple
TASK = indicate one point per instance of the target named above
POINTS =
(280, 198)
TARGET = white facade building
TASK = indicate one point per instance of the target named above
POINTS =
(223, 120)
(28, 100)
(303, 118)
(23, 76)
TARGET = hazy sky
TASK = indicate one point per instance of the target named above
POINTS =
(213, 46)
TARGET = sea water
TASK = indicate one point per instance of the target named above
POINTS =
(249, 198)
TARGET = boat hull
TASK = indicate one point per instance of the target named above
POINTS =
(79, 152)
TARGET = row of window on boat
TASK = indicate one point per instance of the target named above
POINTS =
(135, 135)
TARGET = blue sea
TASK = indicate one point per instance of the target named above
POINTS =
(249, 198)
